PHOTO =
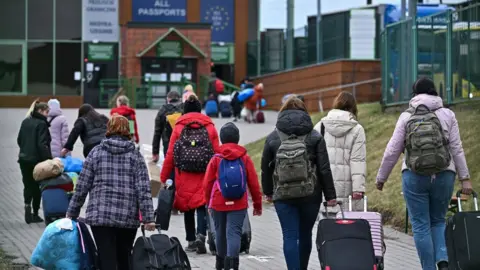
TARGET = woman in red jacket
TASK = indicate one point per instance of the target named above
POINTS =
(229, 214)
(193, 143)
(124, 110)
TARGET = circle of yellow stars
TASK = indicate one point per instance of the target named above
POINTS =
(218, 16)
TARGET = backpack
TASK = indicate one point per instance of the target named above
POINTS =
(232, 178)
(426, 147)
(193, 150)
(294, 174)
(219, 87)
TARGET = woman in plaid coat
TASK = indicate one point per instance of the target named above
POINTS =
(116, 178)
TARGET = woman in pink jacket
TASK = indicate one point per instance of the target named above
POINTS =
(58, 127)
(427, 179)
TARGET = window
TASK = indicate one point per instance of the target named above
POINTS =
(40, 19)
(10, 68)
(68, 65)
(40, 65)
(68, 16)
(12, 19)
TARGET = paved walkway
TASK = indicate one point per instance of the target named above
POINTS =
(19, 239)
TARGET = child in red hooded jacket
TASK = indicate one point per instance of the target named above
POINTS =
(228, 214)
(123, 108)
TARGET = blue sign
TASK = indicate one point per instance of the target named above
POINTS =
(424, 14)
(221, 14)
(159, 10)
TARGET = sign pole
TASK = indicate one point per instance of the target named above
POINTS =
(290, 23)
(319, 32)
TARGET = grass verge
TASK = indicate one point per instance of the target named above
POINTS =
(379, 128)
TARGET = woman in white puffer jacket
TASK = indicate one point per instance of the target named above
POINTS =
(346, 144)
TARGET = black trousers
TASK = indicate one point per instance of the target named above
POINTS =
(31, 190)
(114, 247)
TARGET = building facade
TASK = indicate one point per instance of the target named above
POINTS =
(75, 49)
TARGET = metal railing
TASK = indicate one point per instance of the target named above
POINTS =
(444, 47)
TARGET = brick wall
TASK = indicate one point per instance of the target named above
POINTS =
(135, 40)
(331, 74)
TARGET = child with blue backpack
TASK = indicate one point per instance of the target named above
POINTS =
(229, 174)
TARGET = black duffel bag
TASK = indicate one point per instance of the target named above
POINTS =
(159, 252)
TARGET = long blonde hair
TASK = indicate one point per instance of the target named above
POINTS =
(36, 105)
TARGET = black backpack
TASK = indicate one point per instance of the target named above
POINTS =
(193, 150)
(159, 252)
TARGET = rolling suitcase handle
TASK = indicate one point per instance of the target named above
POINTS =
(459, 200)
(339, 204)
(350, 208)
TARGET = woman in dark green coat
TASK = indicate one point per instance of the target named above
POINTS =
(34, 143)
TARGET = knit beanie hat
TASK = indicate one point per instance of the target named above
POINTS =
(118, 126)
(424, 85)
(192, 104)
(229, 133)
(54, 104)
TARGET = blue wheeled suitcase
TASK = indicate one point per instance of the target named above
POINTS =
(211, 108)
(55, 204)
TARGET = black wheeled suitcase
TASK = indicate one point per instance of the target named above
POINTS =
(246, 235)
(349, 237)
(462, 238)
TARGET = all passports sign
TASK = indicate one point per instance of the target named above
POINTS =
(100, 20)
(159, 10)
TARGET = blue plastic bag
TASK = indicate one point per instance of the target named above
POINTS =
(71, 164)
(263, 103)
(245, 94)
(59, 247)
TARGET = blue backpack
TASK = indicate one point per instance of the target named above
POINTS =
(232, 179)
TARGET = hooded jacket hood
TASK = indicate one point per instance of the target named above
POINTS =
(295, 122)
(339, 122)
(194, 116)
(117, 145)
(54, 112)
(123, 110)
(232, 151)
(432, 102)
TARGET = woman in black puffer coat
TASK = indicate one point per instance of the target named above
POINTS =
(297, 216)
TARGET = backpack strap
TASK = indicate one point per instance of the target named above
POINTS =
(51, 119)
(322, 130)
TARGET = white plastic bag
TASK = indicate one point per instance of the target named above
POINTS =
(244, 113)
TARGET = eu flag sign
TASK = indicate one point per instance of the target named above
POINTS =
(221, 14)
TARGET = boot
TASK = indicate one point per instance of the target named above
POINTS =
(36, 218)
(232, 263)
(28, 214)
(219, 263)
(443, 265)
(200, 242)
(191, 247)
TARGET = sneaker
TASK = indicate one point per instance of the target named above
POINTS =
(175, 212)
(192, 246)
(200, 242)
(36, 218)
(28, 214)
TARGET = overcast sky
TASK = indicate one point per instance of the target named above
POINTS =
(274, 12)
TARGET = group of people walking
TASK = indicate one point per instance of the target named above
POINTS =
(329, 165)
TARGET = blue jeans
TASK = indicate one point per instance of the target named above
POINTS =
(228, 232)
(189, 219)
(427, 201)
(297, 222)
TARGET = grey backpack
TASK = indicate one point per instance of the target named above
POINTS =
(294, 174)
(426, 147)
